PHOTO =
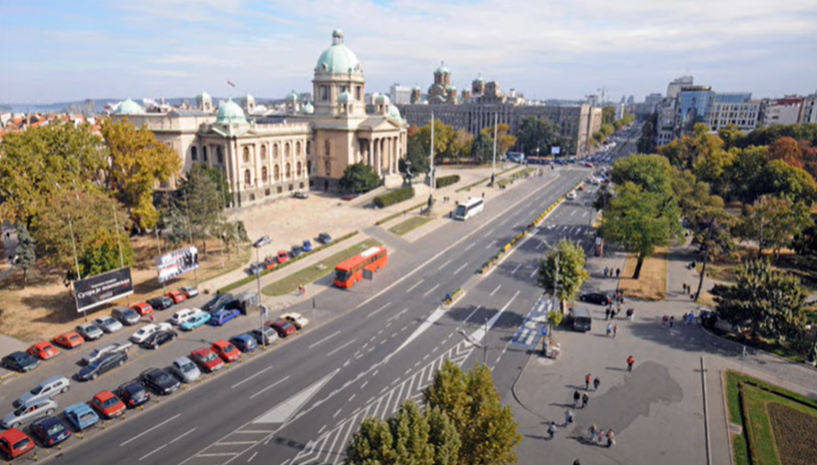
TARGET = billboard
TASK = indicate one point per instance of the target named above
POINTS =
(177, 263)
(103, 288)
(555, 150)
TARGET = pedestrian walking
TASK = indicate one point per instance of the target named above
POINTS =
(630, 363)
(587, 380)
(585, 400)
(671, 321)
(606, 271)
(630, 313)
(552, 429)
(607, 313)
(684, 287)
(596, 383)
(615, 330)
(611, 438)
(665, 320)
(568, 417)
(609, 329)
(576, 398)
(601, 435)
(618, 308)
(618, 272)
(594, 430)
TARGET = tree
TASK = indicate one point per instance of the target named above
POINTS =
(409, 431)
(504, 141)
(608, 114)
(199, 201)
(768, 303)
(774, 222)
(26, 253)
(482, 149)
(537, 135)
(100, 253)
(788, 150)
(137, 162)
(564, 267)
(417, 156)
(444, 138)
(461, 145)
(444, 437)
(371, 444)
(744, 172)
(652, 173)
(781, 179)
(359, 178)
(731, 136)
(685, 151)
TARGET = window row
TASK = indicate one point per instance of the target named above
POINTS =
(276, 173)
(194, 154)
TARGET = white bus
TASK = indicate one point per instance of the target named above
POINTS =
(468, 209)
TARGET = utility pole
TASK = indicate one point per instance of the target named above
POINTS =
(431, 170)
(555, 304)
(493, 167)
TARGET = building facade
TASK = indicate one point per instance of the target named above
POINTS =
(781, 111)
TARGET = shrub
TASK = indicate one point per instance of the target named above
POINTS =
(446, 180)
(404, 193)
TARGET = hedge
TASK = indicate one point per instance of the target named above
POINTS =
(447, 180)
(385, 200)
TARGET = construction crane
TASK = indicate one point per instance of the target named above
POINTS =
(603, 91)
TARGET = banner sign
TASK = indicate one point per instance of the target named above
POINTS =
(555, 150)
(97, 290)
(177, 263)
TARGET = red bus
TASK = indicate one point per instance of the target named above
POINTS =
(351, 271)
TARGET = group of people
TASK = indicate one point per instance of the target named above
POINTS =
(608, 272)
(596, 434)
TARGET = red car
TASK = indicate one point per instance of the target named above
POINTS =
(108, 404)
(270, 263)
(43, 350)
(283, 257)
(207, 359)
(14, 443)
(284, 328)
(228, 352)
(176, 296)
(142, 308)
(69, 340)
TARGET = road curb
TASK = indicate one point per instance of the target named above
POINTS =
(516, 382)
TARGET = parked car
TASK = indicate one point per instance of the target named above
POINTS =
(308, 246)
(14, 443)
(348, 197)
(81, 416)
(244, 342)
(142, 308)
(108, 405)
(160, 381)
(133, 394)
(108, 324)
(158, 339)
(126, 316)
(597, 298)
(20, 361)
(269, 334)
(297, 251)
(176, 296)
(139, 336)
(183, 315)
(190, 291)
(43, 350)
(223, 317)
(100, 352)
(300, 195)
(89, 331)
(207, 359)
(48, 388)
(571, 195)
(296, 318)
(257, 268)
(261, 242)
(221, 302)
(185, 370)
(102, 366)
(226, 351)
(283, 327)
(160, 303)
(324, 238)
(270, 262)
(283, 257)
(195, 321)
(69, 340)
(29, 411)
(50, 431)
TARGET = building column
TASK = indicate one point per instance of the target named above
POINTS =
(377, 156)
(370, 153)
(394, 158)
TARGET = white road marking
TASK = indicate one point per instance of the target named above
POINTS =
(225, 454)
(490, 246)
(471, 246)
(579, 243)
(341, 347)
(250, 377)
(490, 232)
(379, 309)
(460, 268)
(322, 428)
(415, 285)
(183, 435)
(394, 334)
(324, 339)
(516, 269)
(375, 373)
(282, 412)
(364, 384)
(347, 362)
(383, 341)
(151, 453)
(431, 290)
(353, 396)
(504, 221)
(533, 273)
(584, 215)
(389, 324)
(393, 317)
(150, 429)
(494, 292)
(573, 213)
(541, 244)
(252, 457)
(234, 443)
(269, 387)
(444, 264)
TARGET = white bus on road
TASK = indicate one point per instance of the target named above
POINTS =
(468, 209)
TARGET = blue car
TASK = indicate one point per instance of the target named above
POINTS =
(50, 431)
(81, 416)
(244, 342)
(307, 246)
(223, 316)
(196, 321)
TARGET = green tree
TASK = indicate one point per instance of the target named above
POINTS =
(409, 431)
(743, 174)
(371, 444)
(731, 136)
(768, 303)
(100, 253)
(564, 267)
(608, 114)
(774, 222)
(482, 149)
(779, 178)
(652, 173)
(685, 151)
(504, 141)
(461, 145)
(359, 178)
(444, 437)
(417, 155)
(444, 139)
(537, 135)
(26, 252)
(199, 201)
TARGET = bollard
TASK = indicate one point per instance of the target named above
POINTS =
(35, 457)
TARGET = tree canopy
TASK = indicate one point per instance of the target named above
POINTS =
(568, 275)
(537, 135)
(359, 178)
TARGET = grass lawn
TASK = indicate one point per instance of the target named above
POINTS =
(315, 272)
(410, 225)
(652, 284)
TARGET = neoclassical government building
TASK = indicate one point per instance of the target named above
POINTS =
(307, 145)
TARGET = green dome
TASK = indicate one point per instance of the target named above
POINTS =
(344, 97)
(382, 99)
(338, 58)
(442, 70)
(129, 107)
(292, 97)
(450, 88)
(202, 96)
(309, 109)
(230, 113)
(478, 80)
(394, 113)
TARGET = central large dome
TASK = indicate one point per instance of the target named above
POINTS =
(338, 58)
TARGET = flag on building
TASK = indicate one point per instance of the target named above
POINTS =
(230, 83)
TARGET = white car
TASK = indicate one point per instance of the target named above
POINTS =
(105, 350)
(145, 332)
(296, 318)
(183, 315)
(571, 195)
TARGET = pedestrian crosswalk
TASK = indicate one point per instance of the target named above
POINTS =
(530, 331)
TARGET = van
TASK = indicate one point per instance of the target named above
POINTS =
(581, 319)
(46, 389)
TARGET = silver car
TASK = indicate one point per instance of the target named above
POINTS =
(100, 352)
(89, 331)
(126, 316)
(108, 324)
(29, 411)
(185, 370)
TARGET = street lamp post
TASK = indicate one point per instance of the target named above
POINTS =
(431, 170)
(493, 165)
(262, 310)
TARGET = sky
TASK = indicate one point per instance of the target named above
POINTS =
(58, 50)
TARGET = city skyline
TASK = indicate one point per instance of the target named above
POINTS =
(57, 52)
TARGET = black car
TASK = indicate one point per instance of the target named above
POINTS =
(257, 268)
(297, 251)
(158, 339)
(133, 394)
(20, 361)
(160, 381)
(221, 302)
(596, 298)
(50, 431)
(324, 238)
(102, 366)
(161, 302)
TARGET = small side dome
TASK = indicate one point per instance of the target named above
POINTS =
(478, 80)
(203, 95)
(382, 99)
(230, 113)
(442, 69)
(344, 97)
(309, 108)
(417, 88)
(394, 113)
(452, 88)
(292, 97)
(129, 107)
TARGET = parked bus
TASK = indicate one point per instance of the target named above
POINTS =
(351, 271)
(468, 209)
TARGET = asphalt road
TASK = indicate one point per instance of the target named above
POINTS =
(377, 345)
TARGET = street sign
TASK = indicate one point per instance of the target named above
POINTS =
(544, 331)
